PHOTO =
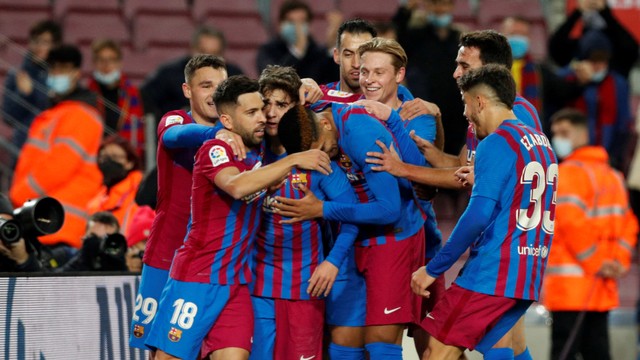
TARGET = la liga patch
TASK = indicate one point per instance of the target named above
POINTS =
(173, 119)
(218, 155)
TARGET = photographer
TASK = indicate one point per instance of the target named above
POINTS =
(103, 247)
(14, 256)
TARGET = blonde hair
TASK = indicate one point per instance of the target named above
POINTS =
(386, 46)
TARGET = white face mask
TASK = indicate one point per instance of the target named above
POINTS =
(107, 79)
(562, 146)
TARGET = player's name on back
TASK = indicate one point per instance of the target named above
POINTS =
(531, 140)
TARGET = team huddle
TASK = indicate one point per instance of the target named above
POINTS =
(294, 220)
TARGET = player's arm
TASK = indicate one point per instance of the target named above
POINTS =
(187, 135)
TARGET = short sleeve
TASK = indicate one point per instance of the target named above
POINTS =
(494, 166)
(213, 156)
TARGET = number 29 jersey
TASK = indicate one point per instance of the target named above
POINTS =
(516, 167)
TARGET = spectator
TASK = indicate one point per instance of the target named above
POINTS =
(594, 15)
(295, 47)
(103, 247)
(119, 101)
(148, 190)
(137, 236)
(524, 69)
(595, 234)
(604, 96)
(121, 177)
(386, 30)
(58, 159)
(430, 46)
(162, 90)
(25, 94)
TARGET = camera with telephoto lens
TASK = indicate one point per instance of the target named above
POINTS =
(35, 218)
(105, 253)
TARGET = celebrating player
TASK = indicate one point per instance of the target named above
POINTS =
(206, 293)
(508, 224)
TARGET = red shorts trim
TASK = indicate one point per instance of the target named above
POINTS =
(387, 271)
(299, 329)
(462, 317)
(234, 326)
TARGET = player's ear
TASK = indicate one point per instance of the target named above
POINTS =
(400, 75)
(336, 56)
(186, 90)
(325, 124)
(226, 121)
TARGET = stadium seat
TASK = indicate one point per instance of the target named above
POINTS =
(34, 5)
(15, 24)
(62, 8)
(245, 59)
(463, 12)
(82, 29)
(138, 64)
(202, 9)
(240, 31)
(372, 10)
(162, 30)
(491, 11)
(133, 8)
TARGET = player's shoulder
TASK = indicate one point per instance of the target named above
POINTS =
(174, 117)
(217, 151)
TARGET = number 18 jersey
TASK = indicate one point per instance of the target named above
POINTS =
(516, 167)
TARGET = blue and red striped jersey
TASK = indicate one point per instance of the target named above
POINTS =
(516, 167)
(524, 112)
(377, 192)
(219, 242)
(286, 255)
(174, 192)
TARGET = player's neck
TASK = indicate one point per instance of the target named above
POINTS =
(344, 86)
(275, 146)
(203, 120)
(500, 115)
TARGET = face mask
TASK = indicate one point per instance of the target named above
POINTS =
(107, 79)
(112, 172)
(288, 32)
(599, 76)
(440, 21)
(562, 146)
(519, 46)
(59, 84)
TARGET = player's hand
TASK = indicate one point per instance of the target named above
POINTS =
(234, 141)
(465, 176)
(313, 159)
(376, 109)
(416, 107)
(309, 207)
(387, 160)
(16, 251)
(24, 83)
(277, 185)
(431, 153)
(425, 192)
(322, 279)
(420, 281)
(309, 91)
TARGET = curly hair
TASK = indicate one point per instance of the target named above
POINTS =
(297, 129)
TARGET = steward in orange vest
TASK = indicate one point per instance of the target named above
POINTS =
(595, 234)
(59, 157)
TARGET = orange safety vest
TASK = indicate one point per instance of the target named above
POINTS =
(119, 200)
(59, 160)
(593, 223)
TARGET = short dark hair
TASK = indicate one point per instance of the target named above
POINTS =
(107, 218)
(285, 78)
(291, 5)
(204, 30)
(494, 47)
(101, 44)
(200, 61)
(297, 129)
(355, 26)
(574, 116)
(229, 91)
(497, 77)
(124, 145)
(45, 26)
(65, 54)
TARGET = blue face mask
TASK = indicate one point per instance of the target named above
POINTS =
(107, 79)
(288, 32)
(599, 76)
(59, 84)
(519, 46)
(562, 146)
(440, 21)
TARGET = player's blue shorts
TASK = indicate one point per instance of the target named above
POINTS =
(264, 330)
(186, 314)
(152, 282)
(346, 304)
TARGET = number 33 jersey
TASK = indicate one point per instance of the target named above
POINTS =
(516, 167)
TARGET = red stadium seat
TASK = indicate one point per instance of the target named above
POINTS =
(162, 30)
(240, 31)
(132, 8)
(15, 24)
(62, 8)
(82, 29)
(202, 9)
(463, 12)
(373, 10)
(495, 10)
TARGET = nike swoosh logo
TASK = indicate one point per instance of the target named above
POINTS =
(387, 312)
(306, 358)
(430, 316)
